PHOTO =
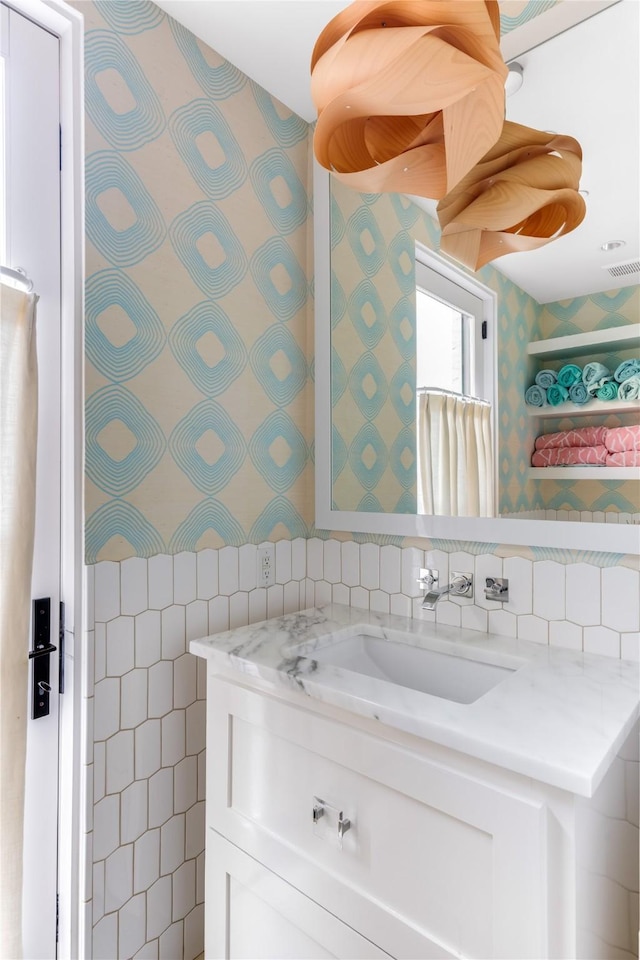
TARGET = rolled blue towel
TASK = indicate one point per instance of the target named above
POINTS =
(608, 391)
(557, 394)
(595, 375)
(629, 389)
(545, 378)
(578, 393)
(628, 368)
(569, 374)
(536, 396)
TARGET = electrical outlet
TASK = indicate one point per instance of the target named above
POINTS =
(266, 566)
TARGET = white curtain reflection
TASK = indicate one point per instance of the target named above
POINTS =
(455, 456)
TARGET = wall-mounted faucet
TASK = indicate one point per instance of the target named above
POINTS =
(461, 586)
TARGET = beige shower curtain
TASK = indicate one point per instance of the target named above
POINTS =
(18, 436)
(455, 456)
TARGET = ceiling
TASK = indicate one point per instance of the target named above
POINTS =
(584, 82)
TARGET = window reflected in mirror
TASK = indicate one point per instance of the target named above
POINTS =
(454, 447)
(440, 360)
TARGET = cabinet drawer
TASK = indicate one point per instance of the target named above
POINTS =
(252, 914)
(458, 863)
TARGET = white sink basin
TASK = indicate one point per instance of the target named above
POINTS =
(454, 678)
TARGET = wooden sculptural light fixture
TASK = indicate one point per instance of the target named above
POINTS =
(410, 99)
(409, 93)
(522, 195)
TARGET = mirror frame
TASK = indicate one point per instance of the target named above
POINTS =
(560, 534)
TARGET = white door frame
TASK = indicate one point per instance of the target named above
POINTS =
(32, 223)
(67, 24)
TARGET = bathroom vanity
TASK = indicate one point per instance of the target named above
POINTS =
(378, 786)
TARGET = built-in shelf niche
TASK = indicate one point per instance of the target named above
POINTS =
(594, 343)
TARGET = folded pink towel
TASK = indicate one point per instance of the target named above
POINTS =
(626, 458)
(570, 456)
(580, 437)
(618, 439)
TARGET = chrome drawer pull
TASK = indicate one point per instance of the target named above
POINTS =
(344, 824)
(319, 809)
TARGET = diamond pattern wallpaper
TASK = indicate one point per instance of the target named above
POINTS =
(197, 295)
(198, 301)
(373, 357)
(600, 311)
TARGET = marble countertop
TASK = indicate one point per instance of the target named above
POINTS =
(559, 716)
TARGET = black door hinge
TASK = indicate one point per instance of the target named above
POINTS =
(59, 147)
(57, 917)
(485, 330)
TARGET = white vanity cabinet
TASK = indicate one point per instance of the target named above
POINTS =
(438, 860)
(333, 834)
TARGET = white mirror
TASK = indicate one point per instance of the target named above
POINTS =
(351, 414)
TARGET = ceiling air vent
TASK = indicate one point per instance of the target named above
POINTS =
(623, 269)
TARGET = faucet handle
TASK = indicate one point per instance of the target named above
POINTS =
(428, 578)
(497, 588)
(461, 585)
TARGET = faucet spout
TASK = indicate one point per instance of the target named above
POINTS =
(432, 596)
